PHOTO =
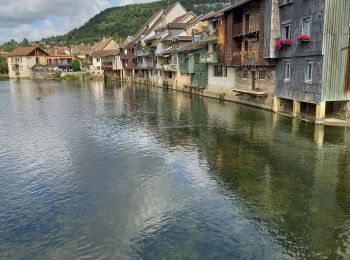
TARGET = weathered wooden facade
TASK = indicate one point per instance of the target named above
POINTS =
(312, 57)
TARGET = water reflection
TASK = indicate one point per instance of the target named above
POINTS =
(99, 170)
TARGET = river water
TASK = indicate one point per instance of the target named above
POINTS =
(95, 171)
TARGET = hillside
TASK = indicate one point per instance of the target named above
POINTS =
(119, 22)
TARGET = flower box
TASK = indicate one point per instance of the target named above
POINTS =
(282, 42)
(304, 38)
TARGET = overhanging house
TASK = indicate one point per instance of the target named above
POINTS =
(137, 54)
(313, 67)
(107, 62)
(247, 38)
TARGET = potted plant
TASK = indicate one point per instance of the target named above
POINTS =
(304, 38)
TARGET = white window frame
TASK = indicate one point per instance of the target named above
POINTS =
(304, 31)
(309, 71)
(287, 70)
(284, 26)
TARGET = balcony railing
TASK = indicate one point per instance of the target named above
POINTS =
(240, 30)
(146, 52)
(237, 29)
(208, 57)
(144, 65)
(170, 67)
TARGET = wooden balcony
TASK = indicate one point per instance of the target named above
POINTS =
(239, 30)
(145, 52)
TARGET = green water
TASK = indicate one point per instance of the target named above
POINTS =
(95, 171)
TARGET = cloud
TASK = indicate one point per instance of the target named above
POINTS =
(35, 19)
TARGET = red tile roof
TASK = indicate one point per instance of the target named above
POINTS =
(25, 51)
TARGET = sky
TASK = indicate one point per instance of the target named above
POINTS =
(35, 19)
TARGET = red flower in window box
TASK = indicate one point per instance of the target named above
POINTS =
(287, 41)
(304, 38)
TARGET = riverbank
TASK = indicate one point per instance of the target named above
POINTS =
(4, 77)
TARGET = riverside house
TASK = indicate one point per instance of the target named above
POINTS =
(247, 37)
(137, 54)
(313, 67)
(60, 57)
(23, 59)
(105, 48)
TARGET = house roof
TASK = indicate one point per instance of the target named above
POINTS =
(4, 53)
(80, 49)
(237, 4)
(101, 45)
(24, 51)
(61, 51)
(104, 53)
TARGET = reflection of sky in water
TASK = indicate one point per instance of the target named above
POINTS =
(100, 172)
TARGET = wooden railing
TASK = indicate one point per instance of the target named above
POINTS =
(238, 29)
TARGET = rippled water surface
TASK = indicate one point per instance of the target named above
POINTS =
(94, 171)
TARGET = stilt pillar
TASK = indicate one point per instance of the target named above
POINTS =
(276, 104)
(296, 108)
(320, 112)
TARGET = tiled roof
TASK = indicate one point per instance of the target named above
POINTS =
(61, 51)
(24, 51)
(80, 49)
(104, 53)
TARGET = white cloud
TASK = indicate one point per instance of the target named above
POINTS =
(34, 19)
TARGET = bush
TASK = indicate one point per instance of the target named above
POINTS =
(75, 64)
(3, 66)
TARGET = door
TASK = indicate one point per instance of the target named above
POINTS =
(253, 80)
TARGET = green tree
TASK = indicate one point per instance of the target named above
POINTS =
(75, 64)
(25, 43)
(3, 65)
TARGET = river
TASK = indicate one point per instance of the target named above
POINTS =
(90, 170)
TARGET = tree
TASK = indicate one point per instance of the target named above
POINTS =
(25, 43)
(75, 64)
(3, 65)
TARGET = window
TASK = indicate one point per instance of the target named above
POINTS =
(286, 31)
(262, 74)
(220, 71)
(98, 67)
(309, 73)
(306, 26)
(287, 71)
(245, 74)
(196, 58)
(37, 60)
(97, 60)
